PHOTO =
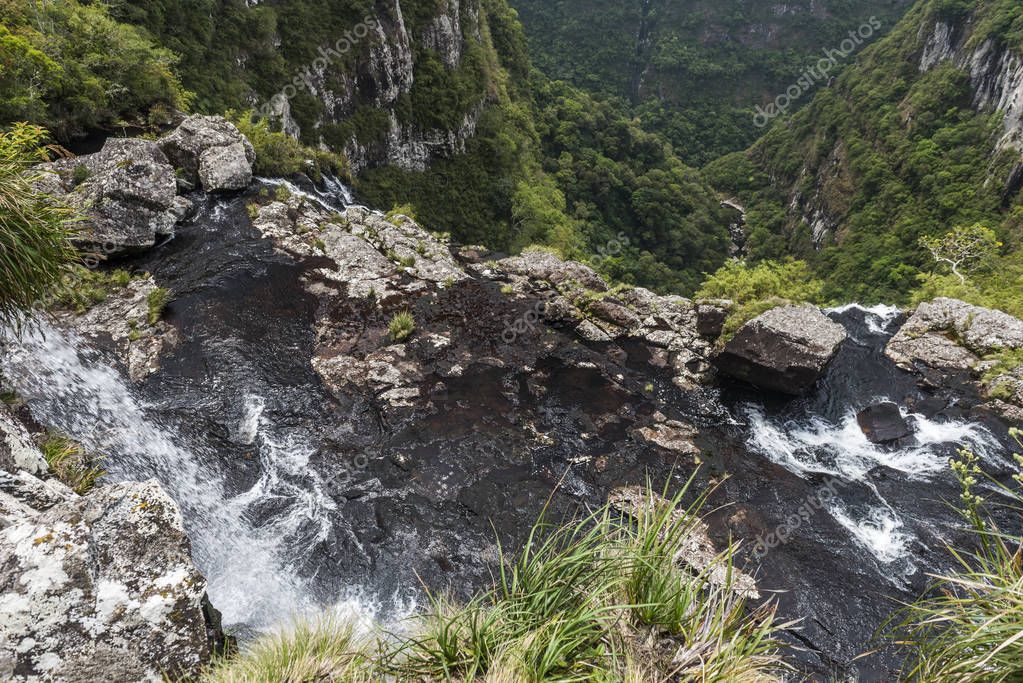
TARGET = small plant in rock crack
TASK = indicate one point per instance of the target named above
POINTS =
(157, 302)
(69, 463)
(402, 326)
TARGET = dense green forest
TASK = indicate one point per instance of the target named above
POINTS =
(588, 153)
(888, 155)
(693, 70)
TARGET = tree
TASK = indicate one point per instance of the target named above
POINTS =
(964, 249)
(35, 246)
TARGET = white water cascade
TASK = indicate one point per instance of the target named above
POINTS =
(252, 571)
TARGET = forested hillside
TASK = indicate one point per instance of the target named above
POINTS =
(693, 69)
(921, 136)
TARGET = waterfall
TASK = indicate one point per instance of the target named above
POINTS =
(253, 570)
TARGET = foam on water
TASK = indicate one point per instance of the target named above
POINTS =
(252, 572)
(878, 318)
(817, 445)
(336, 194)
(879, 530)
(842, 450)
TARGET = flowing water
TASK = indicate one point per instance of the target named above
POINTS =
(297, 501)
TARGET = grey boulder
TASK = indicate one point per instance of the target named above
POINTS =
(785, 349)
(212, 151)
(125, 194)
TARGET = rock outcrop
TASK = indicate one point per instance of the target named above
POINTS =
(211, 151)
(950, 343)
(785, 349)
(128, 323)
(95, 587)
(381, 265)
(125, 194)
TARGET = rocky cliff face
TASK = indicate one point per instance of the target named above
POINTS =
(371, 85)
(996, 75)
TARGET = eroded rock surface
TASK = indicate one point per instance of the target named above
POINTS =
(950, 343)
(370, 266)
(125, 194)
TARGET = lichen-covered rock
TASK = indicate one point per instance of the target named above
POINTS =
(543, 265)
(225, 168)
(946, 341)
(122, 323)
(948, 334)
(100, 587)
(125, 193)
(212, 151)
(785, 349)
(17, 452)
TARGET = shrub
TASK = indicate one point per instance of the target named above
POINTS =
(968, 627)
(402, 326)
(278, 155)
(759, 288)
(35, 246)
(69, 463)
(399, 214)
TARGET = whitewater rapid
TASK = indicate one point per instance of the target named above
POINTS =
(253, 570)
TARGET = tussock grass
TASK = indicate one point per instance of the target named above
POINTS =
(69, 463)
(970, 627)
(402, 326)
(156, 302)
(327, 650)
(599, 599)
(35, 246)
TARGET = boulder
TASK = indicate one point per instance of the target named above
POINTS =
(97, 587)
(543, 265)
(711, 316)
(125, 193)
(210, 150)
(945, 343)
(883, 423)
(785, 349)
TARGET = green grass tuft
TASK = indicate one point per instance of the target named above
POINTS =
(69, 463)
(156, 301)
(402, 326)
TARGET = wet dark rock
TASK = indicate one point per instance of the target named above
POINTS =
(883, 423)
(785, 349)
